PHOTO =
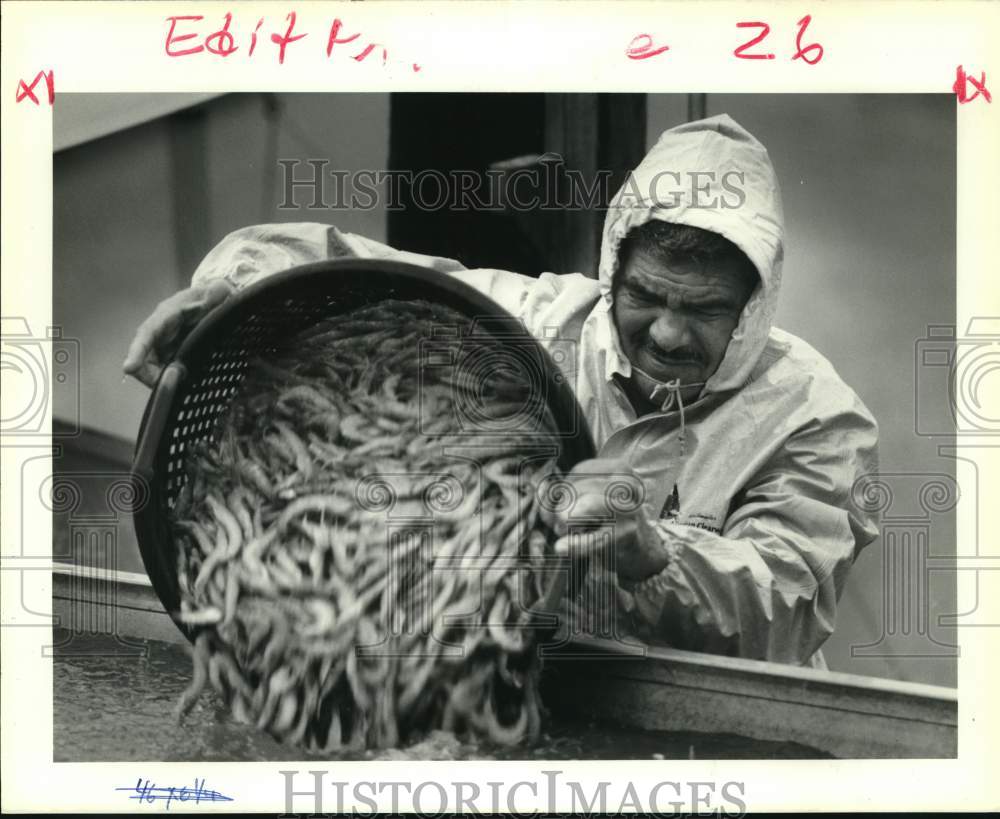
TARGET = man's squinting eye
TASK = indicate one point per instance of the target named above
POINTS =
(713, 312)
(640, 295)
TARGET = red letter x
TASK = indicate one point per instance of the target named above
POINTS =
(960, 88)
(24, 90)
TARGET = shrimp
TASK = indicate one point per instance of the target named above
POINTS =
(329, 623)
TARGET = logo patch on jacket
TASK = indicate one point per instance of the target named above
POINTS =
(671, 513)
(672, 507)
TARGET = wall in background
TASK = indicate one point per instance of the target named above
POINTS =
(134, 211)
(868, 183)
(85, 117)
(114, 258)
(248, 132)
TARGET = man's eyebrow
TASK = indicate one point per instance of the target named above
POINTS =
(710, 302)
(638, 287)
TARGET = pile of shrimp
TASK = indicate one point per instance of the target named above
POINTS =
(358, 550)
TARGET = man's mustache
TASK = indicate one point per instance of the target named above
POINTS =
(680, 355)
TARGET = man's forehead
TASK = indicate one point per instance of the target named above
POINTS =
(653, 272)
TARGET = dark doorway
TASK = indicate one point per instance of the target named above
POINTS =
(457, 132)
(594, 134)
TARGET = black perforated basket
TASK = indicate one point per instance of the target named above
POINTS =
(195, 389)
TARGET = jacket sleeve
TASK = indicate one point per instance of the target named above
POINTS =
(767, 587)
(252, 253)
(255, 252)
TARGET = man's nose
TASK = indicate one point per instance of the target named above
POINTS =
(669, 331)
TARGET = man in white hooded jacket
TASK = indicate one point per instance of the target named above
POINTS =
(747, 442)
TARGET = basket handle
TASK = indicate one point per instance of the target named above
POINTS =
(154, 420)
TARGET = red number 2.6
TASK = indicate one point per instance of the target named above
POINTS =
(811, 53)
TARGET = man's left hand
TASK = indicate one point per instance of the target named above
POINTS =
(601, 487)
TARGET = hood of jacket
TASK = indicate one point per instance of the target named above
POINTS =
(710, 174)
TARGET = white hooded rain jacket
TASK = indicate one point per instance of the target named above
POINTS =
(767, 528)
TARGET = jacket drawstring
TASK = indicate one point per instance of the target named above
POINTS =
(673, 392)
(673, 399)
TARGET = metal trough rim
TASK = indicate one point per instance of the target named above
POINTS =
(759, 668)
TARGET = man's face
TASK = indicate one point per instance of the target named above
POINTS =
(675, 320)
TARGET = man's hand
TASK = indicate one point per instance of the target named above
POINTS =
(159, 336)
(609, 491)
